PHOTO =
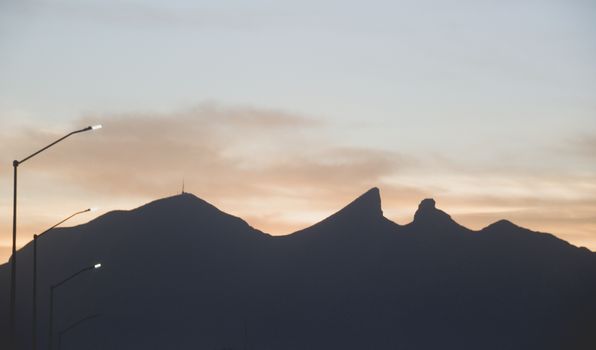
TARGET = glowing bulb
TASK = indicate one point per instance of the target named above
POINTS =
(97, 266)
(95, 127)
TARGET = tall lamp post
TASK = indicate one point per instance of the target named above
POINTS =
(35, 237)
(52, 288)
(13, 259)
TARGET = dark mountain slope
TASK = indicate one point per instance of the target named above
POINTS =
(179, 273)
(154, 259)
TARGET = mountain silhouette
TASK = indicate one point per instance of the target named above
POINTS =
(180, 273)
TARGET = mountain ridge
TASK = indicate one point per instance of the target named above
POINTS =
(367, 205)
(179, 272)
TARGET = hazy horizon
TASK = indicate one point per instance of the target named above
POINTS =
(294, 230)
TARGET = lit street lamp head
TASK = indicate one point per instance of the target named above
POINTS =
(91, 127)
(97, 266)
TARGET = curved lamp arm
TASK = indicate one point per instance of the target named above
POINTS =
(94, 127)
(92, 267)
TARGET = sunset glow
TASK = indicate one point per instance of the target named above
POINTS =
(321, 101)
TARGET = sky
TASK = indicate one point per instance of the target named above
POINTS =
(281, 112)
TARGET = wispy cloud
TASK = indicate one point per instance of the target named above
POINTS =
(241, 158)
(237, 150)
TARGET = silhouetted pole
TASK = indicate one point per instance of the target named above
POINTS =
(245, 336)
(13, 258)
(34, 318)
(62, 332)
(52, 288)
(13, 262)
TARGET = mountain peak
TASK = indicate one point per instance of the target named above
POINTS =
(368, 204)
(183, 200)
(428, 213)
(503, 224)
(363, 212)
(427, 204)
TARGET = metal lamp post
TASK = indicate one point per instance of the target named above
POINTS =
(52, 288)
(35, 237)
(13, 259)
(69, 328)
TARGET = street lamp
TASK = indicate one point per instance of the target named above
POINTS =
(13, 259)
(65, 330)
(35, 237)
(52, 288)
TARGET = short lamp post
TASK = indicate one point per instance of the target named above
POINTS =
(35, 237)
(74, 325)
(13, 258)
(52, 288)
